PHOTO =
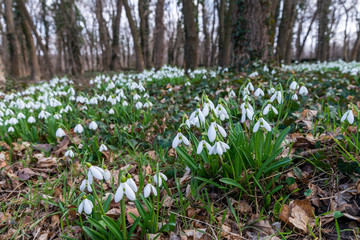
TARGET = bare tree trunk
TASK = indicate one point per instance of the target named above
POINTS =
(225, 25)
(135, 35)
(251, 38)
(159, 44)
(213, 41)
(191, 36)
(13, 41)
(206, 35)
(115, 58)
(323, 30)
(2, 76)
(301, 46)
(285, 30)
(144, 12)
(35, 68)
(104, 36)
(355, 49)
(25, 13)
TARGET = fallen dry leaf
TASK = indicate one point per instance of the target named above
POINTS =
(299, 214)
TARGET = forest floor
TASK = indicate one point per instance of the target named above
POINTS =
(281, 162)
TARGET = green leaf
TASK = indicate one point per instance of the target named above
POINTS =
(113, 227)
(232, 182)
(93, 234)
(189, 161)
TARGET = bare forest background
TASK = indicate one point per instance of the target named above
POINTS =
(42, 38)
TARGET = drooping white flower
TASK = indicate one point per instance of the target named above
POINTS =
(31, 119)
(203, 144)
(261, 123)
(20, 116)
(197, 117)
(124, 188)
(86, 205)
(111, 111)
(294, 85)
(232, 93)
(69, 153)
(106, 174)
(148, 189)
(250, 86)
(247, 111)
(125, 103)
(209, 105)
(60, 133)
(44, 115)
(136, 97)
(179, 138)
(294, 97)
(212, 131)
(278, 96)
(303, 90)
(131, 183)
(11, 129)
(219, 148)
(349, 116)
(78, 129)
(138, 105)
(259, 93)
(85, 184)
(159, 177)
(93, 125)
(268, 108)
(13, 121)
(221, 112)
(96, 172)
(187, 84)
(103, 148)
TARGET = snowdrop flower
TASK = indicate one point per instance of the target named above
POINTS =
(294, 97)
(85, 184)
(125, 103)
(348, 115)
(11, 129)
(202, 145)
(21, 116)
(94, 171)
(197, 117)
(13, 121)
(136, 97)
(159, 177)
(273, 72)
(219, 148)
(249, 86)
(69, 153)
(179, 138)
(268, 108)
(57, 116)
(78, 129)
(277, 95)
(86, 205)
(232, 93)
(43, 115)
(209, 105)
(31, 119)
(263, 124)
(221, 112)
(103, 148)
(111, 111)
(138, 105)
(187, 84)
(106, 174)
(93, 126)
(248, 112)
(254, 74)
(124, 188)
(259, 93)
(265, 68)
(212, 131)
(148, 189)
(271, 90)
(131, 183)
(294, 85)
(60, 133)
(303, 90)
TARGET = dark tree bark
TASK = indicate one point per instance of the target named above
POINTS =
(191, 35)
(136, 39)
(115, 57)
(26, 15)
(323, 42)
(213, 41)
(44, 14)
(14, 45)
(225, 25)
(285, 31)
(34, 64)
(145, 31)
(2, 76)
(355, 49)
(206, 49)
(250, 36)
(104, 36)
(159, 44)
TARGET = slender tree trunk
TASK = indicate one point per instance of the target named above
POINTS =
(104, 36)
(13, 41)
(225, 25)
(2, 76)
(213, 41)
(159, 44)
(285, 30)
(145, 31)
(323, 30)
(206, 35)
(191, 36)
(355, 49)
(115, 58)
(301, 46)
(136, 39)
(35, 68)
(25, 14)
